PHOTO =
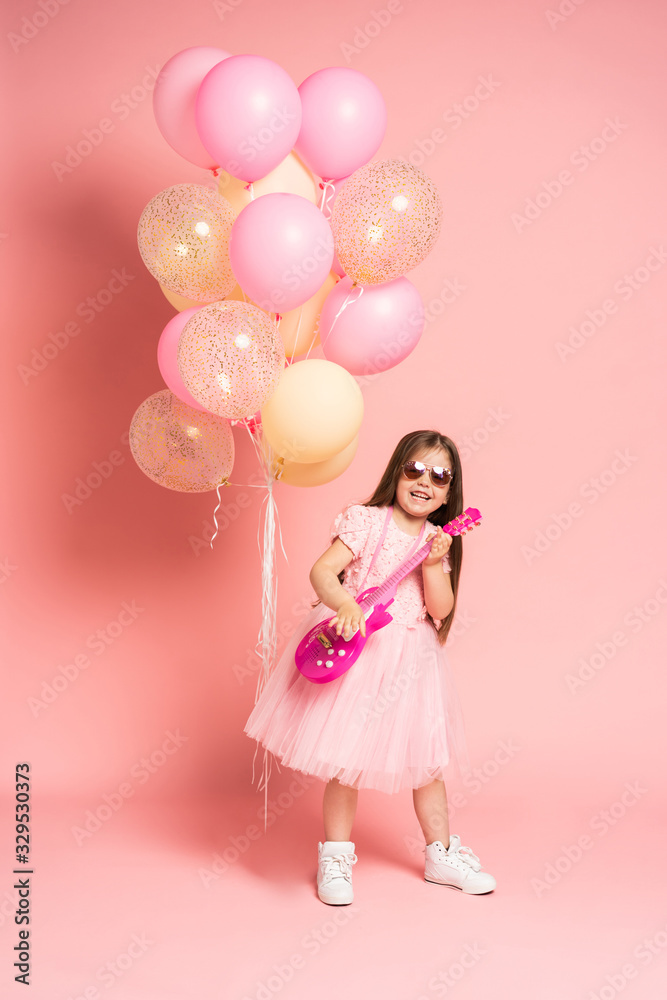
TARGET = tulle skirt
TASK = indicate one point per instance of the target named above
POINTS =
(392, 721)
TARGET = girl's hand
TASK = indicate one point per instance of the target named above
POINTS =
(439, 547)
(349, 619)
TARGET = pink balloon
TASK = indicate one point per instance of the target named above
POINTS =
(174, 100)
(167, 358)
(376, 330)
(281, 250)
(248, 114)
(344, 121)
(337, 267)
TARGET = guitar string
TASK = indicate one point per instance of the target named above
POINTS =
(372, 599)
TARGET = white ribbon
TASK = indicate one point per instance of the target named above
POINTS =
(355, 288)
(327, 194)
(267, 639)
(267, 636)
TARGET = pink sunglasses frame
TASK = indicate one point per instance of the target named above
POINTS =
(430, 470)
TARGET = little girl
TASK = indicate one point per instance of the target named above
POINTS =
(393, 720)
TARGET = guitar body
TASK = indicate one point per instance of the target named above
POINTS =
(322, 655)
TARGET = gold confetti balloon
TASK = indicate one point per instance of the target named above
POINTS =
(386, 219)
(179, 447)
(183, 238)
(231, 357)
(298, 328)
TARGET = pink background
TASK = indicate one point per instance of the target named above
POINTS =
(526, 621)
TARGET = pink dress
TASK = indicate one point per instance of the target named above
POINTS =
(393, 720)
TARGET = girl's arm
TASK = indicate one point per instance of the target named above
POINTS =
(327, 586)
(438, 594)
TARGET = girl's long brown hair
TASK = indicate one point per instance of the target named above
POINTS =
(385, 494)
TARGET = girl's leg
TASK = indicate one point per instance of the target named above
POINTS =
(339, 806)
(431, 808)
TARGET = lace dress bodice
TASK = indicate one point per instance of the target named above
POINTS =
(360, 527)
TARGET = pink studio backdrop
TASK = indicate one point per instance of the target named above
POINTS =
(542, 357)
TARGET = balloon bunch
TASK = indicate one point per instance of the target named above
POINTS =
(305, 241)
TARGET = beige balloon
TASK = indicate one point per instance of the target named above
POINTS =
(289, 177)
(311, 473)
(179, 302)
(314, 412)
(300, 327)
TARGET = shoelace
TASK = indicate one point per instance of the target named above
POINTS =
(466, 855)
(344, 862)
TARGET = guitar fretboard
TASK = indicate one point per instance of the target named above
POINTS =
(454, 527)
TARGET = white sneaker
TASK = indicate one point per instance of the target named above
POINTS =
(456, 866)
(334, 871)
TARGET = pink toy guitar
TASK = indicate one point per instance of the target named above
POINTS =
(322, 655)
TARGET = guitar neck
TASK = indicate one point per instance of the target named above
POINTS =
(454, 527)
(378, 596)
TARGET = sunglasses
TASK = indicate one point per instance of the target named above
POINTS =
(439, 475)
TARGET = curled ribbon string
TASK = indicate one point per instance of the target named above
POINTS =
(226, 482)
(217, 490)
(296, 339)
(327, 195)
(278, 319)
(267, 637)
(355, 287)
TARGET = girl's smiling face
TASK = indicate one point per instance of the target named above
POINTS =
(420, 497)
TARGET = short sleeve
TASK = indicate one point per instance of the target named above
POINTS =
(352, 526)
